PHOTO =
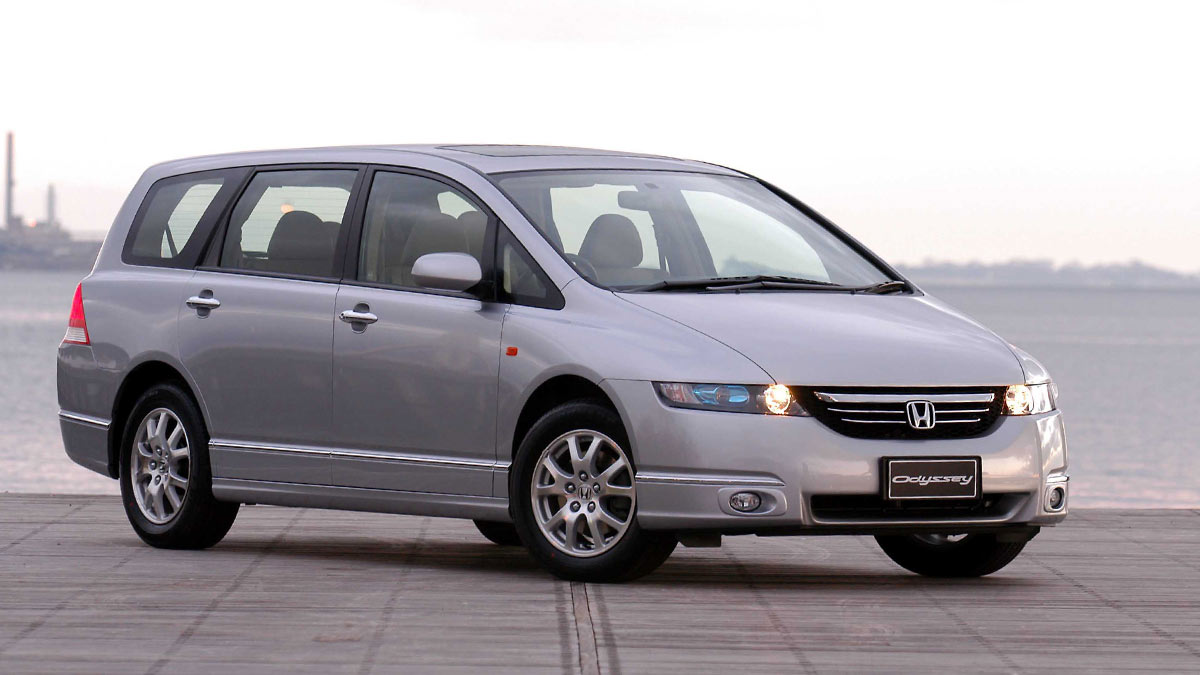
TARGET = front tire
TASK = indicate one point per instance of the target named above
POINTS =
(972, 555)
(574, 498)
(501, 534)
(166, 480)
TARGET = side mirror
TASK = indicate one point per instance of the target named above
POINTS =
(447, 271)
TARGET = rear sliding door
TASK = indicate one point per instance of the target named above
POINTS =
(256, 332)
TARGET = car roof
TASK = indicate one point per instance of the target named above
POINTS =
(484, 158)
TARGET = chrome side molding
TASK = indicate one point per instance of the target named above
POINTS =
(682, 479)
(359, 454)
(97, 422)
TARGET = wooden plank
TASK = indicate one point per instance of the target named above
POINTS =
(329, 592)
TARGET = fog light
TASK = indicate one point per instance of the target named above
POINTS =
(1056, 499)
(745, 501)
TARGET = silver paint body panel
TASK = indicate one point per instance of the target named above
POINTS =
(264, 368)
(417, 413)
(420, 381)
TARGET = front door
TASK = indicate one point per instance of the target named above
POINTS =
(415, 371)
(257, 332)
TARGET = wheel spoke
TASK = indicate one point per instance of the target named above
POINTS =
(588, 461)
(173, 497)
(572, 534)
(144, 450)
(618, 491)
(160, 431)
(594, 530)
(175, 479)
(605, 477)
(173, 439)
(156, 500)
(555, 470)
(547, 490)
(602, 515)
(559, 517)
(574, 453)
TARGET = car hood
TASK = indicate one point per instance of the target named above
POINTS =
(832, 339)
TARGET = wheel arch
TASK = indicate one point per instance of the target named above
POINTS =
(137, 380)
(555, 391)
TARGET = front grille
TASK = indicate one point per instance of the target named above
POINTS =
(876, 508)
(880, 412)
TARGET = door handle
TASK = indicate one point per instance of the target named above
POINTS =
(203, 302)
(353, 316)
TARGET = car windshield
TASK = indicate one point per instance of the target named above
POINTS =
(627, 230)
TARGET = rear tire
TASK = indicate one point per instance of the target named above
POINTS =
(501, 534)
(618, 549)
(166, 479)
(974, 555)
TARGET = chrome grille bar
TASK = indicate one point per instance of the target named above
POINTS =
(904, 398)
(881, 412)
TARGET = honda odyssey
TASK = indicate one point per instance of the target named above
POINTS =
(595, 355)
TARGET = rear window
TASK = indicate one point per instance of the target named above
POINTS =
(176, 218)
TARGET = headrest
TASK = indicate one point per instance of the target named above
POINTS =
(414, 192)
(434, 233)
(473, 221)
(300, 235)
(612, 241)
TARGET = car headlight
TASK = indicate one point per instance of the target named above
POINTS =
(775, 399)
(1029, 399)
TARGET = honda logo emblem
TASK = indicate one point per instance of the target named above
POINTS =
(921, 414)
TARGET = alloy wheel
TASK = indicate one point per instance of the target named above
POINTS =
(582, 493)
(161, 466)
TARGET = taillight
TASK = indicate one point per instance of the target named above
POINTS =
(77, 333)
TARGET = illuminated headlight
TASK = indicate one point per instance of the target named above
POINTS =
(774, 399)
(1029, 399)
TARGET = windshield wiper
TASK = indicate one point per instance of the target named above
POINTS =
(743, 282)
(767, 281)
(887, 287)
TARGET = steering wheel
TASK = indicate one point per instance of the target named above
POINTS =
(582, 266)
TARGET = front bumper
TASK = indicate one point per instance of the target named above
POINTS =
(690, 462)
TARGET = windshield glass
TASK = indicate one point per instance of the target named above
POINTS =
(628, 229)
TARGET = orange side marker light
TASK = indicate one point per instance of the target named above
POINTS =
(511, 351)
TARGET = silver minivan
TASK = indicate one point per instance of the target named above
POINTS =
(595, 355)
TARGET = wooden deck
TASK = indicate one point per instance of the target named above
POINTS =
(296, 591)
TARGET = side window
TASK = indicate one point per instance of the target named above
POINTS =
(522, 282)
(171, 227)
(289, 222)
(409, 216)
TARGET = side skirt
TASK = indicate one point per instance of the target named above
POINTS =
(360, 499)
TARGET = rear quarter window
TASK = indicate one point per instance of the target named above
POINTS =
(177, 216)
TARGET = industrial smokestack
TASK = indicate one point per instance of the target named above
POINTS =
(8, 183)
(51, 221)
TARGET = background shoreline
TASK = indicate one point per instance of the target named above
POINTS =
(1117, 355)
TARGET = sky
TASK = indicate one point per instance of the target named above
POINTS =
(930, 130)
